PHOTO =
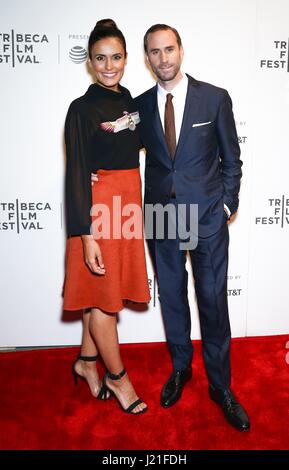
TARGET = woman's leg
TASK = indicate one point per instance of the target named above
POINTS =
(88, 346)
(103, 328)
(87, 369)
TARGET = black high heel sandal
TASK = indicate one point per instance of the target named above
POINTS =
(131, 407)
(103, 394)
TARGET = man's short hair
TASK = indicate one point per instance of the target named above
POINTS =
(160, 27)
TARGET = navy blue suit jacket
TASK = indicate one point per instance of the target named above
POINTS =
(206, 169)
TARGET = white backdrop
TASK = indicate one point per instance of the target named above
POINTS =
(240, 45)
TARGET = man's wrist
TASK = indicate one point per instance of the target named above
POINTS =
(227, 210)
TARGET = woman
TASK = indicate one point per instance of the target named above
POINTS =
(106, 267)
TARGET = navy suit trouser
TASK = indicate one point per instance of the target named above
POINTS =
(210, 264)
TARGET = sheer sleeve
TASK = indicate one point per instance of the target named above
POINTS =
(78, 178)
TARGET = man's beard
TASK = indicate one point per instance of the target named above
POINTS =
(167, 77)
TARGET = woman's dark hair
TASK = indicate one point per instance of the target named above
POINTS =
(105, 29)
(160, 27)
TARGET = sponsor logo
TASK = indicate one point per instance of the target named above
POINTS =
(78, 54)
(279, 213)
(234, 292)
(279, 57)
(242, 139)
(22, 216)
(18, 48)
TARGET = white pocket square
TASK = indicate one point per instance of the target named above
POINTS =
(198, 124)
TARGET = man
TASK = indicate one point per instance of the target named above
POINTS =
(192, 157)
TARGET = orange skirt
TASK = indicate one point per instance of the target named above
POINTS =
(118, 228)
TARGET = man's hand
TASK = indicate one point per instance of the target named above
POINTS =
(92, 255)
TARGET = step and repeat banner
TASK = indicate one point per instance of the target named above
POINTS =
(240, 45)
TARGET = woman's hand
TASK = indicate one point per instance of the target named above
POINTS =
(94, 178)
(92, 255)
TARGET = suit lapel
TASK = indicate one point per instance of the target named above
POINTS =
(190, 113)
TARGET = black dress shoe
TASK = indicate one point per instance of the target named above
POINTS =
(172, 390)
(233, 411)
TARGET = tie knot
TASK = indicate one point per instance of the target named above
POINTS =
(169, 97)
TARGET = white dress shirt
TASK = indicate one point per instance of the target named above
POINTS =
(179, 100)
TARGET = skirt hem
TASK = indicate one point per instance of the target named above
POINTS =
(108, 310)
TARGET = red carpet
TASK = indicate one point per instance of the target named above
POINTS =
(40, 407)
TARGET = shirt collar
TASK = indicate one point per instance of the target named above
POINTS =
(178, 91)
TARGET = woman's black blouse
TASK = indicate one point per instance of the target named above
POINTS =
(91, 145)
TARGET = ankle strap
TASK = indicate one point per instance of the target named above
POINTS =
(87, 358)
(116, 376)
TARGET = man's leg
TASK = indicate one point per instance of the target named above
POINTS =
(210, 265)
(172, 276)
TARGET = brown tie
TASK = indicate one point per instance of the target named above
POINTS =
(170, 129)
